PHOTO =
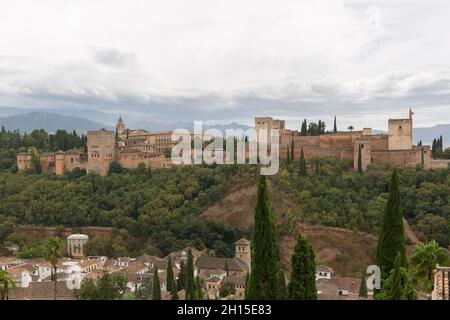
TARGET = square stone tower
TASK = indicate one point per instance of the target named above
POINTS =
(101, 147)
(400, 134)
(243, 252)
(268, 124)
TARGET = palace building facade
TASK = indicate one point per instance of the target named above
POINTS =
(394, 148)
(130, 149)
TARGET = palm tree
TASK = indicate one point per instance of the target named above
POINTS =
(351, 128)
(424, 260)
(52, 252)
(6, 284)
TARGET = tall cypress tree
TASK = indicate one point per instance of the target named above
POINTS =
(264, 276)
(174, 291)
(181, 283)
(226, 269)
(198, 292)
(335, 125)
(398, 286)
(190, 281)
(363, 287)
(292, 150)
(391, 239)
(360, 169)
(396, 291)
(247, 278)
(282, 291)
(303, 274)
(156, 295)
(303, 170)
(304, 130)
(169, 277)
(434, 147)
(288, 155)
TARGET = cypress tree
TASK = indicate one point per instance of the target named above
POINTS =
(363, 287)
(227, 270)
(396, 291)
(174, 291)
(303, 169)
(263, 282)
(335, 125)
(190, 281)
(303, 274)
(360, 170)
(170, 277)
(316, 166)
(434, 147)
(247, 278)
(304, 130)
(288, 152)
(398, 286)
(391, 239)
(156, 295)
(117, 135)
(292, 150)
(181, 283)
(281, 284)
(198, 292)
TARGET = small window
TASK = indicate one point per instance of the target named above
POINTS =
(400, 127)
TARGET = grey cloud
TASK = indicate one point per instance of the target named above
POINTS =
(113, 57)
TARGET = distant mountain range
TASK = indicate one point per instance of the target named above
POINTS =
(51, 122)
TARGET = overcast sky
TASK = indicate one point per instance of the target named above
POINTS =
(230, 60)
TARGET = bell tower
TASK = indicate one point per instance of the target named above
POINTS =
(243, 252)
(120, 126)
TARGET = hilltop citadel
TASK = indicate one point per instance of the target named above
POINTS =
(131, 147)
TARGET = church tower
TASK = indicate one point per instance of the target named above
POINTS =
(120, 126)
(243, 252)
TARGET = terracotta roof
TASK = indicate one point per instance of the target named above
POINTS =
(350, 284)
(214, 279)
(42, 291)
(15, 271)
(7, 260)
(234, 280)
(322, 268)
(242, 241)
(206, 262)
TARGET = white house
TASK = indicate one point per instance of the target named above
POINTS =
(323, 272)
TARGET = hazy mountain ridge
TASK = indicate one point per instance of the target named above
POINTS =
(51, 122)
(69, 120)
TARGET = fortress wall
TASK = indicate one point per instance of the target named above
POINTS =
(378, 142)
(409, 158)
(336, 141)
(131, 160)
(439, 164)
(72, 161)
(47, 163)
(347, 155)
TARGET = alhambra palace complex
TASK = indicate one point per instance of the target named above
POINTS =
(395, 148)
(139, 146)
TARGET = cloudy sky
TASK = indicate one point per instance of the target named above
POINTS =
(229, 60)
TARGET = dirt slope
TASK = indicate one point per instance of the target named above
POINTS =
(343, 250)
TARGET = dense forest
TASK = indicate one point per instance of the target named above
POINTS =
(157, 211)
(160, 206)
(332, 194)
(12, 142)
